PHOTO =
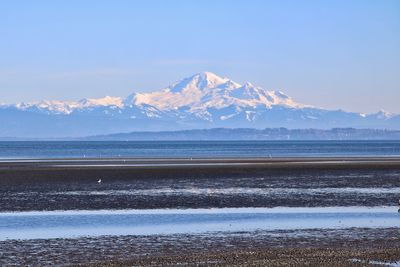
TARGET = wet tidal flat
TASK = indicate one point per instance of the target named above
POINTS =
(249, 183)
(241, 212)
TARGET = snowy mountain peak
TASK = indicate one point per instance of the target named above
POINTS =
(248, 85)
(105, 101)
(382, 114)
(211, 78)
(200, 81)
(207, 90)
(280, 94)
(186, 92)
(54, 107)
(67, 107)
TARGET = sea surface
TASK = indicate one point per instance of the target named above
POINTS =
(204, 149)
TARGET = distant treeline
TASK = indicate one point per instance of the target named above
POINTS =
(255, 134)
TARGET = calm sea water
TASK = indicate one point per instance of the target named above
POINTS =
(59, 149)
(70, 224)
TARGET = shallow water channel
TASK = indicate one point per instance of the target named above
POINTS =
(71, 224)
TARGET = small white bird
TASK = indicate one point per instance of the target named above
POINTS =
(99, 181)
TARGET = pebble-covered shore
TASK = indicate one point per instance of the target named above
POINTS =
(340, 247)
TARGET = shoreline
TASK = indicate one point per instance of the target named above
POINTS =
(198, 163)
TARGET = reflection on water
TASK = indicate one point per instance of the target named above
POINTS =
(62, 224)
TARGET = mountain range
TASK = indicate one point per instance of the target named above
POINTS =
(202, 101)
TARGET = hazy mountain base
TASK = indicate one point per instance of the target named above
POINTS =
(255, 134)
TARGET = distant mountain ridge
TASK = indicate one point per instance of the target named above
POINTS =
(252, 134)
(204, 100)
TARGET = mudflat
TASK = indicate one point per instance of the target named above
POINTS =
(197, 183)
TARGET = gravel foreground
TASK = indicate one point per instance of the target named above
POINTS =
(272, 257)
(344, 247)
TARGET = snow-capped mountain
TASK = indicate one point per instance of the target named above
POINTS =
(203, 100)
(207, 90)
(67, 107)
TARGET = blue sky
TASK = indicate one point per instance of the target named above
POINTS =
(333, 54)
